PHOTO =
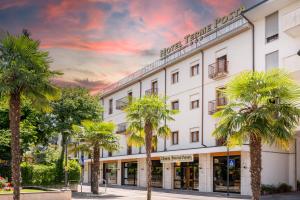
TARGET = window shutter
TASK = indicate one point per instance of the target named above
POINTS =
(272, 25)
(272, 60)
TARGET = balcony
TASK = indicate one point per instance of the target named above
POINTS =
(213, 106)
(122, 103)
(152, 91)
(121, 128)
(218, 70)
(291, 23)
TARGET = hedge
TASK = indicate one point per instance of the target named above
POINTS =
(39, 174)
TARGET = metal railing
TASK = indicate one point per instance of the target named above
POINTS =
(213, 106)
(152, 91)
(121, 128)
(218, 69)
(122, 103)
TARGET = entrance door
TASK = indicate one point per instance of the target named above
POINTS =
(129, 173)
(220, 174)
(186, 176)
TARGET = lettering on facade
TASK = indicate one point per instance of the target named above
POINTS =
(199, 35)
(177, 158)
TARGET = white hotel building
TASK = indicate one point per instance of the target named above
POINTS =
(262, 37)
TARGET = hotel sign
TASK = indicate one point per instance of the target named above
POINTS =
(177, 158)
(199, 35)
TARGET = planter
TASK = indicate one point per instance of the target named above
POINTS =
(45, 195)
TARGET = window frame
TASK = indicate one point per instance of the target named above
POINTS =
(193, 134)
(273, 37)
(173, 79)
(172, 104)
(110, 106)
(177, 137)
(192, 103)
(192, 72)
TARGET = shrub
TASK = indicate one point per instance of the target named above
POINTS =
(283, 187)
(298, 185)
(271, 189)
(38, 174)
(74, 171)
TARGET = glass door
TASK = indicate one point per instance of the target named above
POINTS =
(220, 174)
(129, 173)
(186, 176)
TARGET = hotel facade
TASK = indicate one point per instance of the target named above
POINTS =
(192, 74)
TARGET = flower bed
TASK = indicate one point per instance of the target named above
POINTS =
(5, 186)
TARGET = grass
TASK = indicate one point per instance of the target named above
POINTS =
(23, 191)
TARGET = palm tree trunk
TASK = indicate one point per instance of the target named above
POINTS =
(255, 168)
(95, 171)
(14, 124)
(148, 132)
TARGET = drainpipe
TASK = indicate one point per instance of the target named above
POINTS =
(140, 148)
(253, 41)
(202, 99)
(165, 139)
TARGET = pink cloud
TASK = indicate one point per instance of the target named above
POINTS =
(6, 4)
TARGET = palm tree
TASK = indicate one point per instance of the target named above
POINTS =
(24, 72)
(263, 108)
(92, 137)
(145, 118)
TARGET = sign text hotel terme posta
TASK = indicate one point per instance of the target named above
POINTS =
(198, 35)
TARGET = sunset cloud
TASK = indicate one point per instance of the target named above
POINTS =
(97, 42)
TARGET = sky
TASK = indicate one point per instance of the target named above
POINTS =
(97, 42)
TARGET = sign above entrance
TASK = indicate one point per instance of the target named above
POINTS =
(177, 158)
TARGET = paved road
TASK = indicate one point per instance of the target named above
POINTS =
(129, 193)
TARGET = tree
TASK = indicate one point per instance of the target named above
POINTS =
(24, 72)
(75, 105)
(92, 137)
(146, 117)
(262, 109)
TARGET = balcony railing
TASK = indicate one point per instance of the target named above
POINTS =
(213, 106)
(152, 91)
(122, 103)
(218, 70)
(121, 128)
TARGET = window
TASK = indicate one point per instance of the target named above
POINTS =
(195, 136)
(271, 27)
(175, 105)
(129, 97)
(194, 104)
(175, 137)
(129, 150)
(272, 60)
(109, 154)
(110, 109)
(175, 77)
(195, 70)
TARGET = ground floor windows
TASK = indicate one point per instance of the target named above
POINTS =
(157, 173)
(129, 173)
(220, 174)
(110, 173)
(186, 175)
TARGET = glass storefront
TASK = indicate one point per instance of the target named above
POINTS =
(157, 173)
(110, 173)
(129, 173)
(220, 174)
(186, 175)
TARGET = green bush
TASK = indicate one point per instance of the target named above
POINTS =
(271, 189)
(38, 174)
(74, 171)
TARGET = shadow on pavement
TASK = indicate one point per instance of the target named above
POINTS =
(88, 195)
